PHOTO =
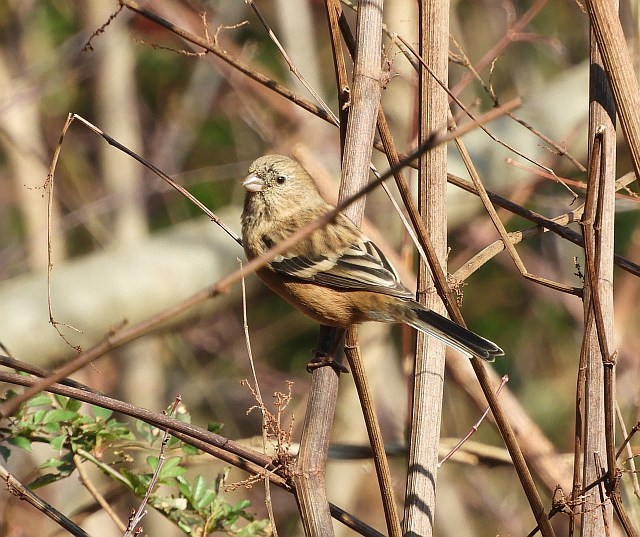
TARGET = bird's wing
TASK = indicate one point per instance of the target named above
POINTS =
(356, 264)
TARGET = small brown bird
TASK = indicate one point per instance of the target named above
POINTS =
(336, 276)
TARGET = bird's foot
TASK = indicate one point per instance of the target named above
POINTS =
(322, 359)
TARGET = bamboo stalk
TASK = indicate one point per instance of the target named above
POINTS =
(598, 288)
(617, 63)
(365, 100)
(428, 381)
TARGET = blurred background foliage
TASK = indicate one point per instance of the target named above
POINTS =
(125, 246)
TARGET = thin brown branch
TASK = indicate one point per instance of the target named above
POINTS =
(49, 184)
(592, 221)
(487, 131)
(287, 58)
(99, 498)
(210, 46)
(501, 45)
(627, 436)
(336, 19)
(560, 151)
(256, 390)
(22, 492)
(537, 218)
(113, 142)
(352, 352)
(579, 431)
(515, 237)
(508, 244)
(473, 429)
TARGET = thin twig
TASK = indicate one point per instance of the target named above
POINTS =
(86, 481)
(628, 436)
(336, 18)
(49, 183)
(352, 352)
(137, 515)
(104, 467)
(245, 324)
(495, 219)
(627, 445)
(113, 142)
(22, 492)
(579, 432)
(560, 151)
(603, 495)
(536, 218)
(474, 429)
(287, 58)
(495, 51)
(210, 46)
(487, 131)
(489, 252)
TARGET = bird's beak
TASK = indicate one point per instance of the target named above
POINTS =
(253, 183)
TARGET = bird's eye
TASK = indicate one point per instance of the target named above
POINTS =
(281, 179)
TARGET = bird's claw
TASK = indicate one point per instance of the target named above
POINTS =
(323, 360)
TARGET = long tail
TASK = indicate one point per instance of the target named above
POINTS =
(452, 334)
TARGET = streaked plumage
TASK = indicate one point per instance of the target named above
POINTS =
(336, 276)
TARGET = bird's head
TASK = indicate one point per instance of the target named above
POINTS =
(276, 183)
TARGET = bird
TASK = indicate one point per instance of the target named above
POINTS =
(336, 276)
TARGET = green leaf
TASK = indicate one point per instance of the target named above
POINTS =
(59, 415)
(45, 479)
(199, 488)
(21, 442)
(62, 400)
(138, 482)
(215, 427)
(172, 472)
(242, 505)
(171, 462)
(173, 441)
(188, 449)
(52, 463)
(5, 452)
(102, 413)
(38, 416)
(171, 468)
(52, 428)
(205, 500)
(57, 442)
(184, 487)
(39, 400)
(73, 405)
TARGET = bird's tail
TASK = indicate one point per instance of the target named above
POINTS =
(452, 333)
